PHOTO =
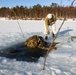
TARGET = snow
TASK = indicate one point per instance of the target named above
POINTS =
(59, 62)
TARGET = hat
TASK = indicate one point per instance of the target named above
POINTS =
(49, 16)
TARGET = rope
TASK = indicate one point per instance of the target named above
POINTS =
(19, 25)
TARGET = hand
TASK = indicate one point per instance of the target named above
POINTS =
(48, 32)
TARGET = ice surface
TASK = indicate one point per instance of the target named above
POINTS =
(59, 62)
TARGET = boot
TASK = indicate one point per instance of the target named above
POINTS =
(46, 37)
(53, 35)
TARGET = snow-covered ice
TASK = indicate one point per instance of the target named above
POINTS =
(59, 62)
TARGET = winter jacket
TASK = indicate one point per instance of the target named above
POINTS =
(49, 22)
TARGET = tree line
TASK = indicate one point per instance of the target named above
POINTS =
(38, 11)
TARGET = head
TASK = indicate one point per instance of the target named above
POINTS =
(49, 16)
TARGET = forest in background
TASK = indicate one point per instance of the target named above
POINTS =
(38, 11)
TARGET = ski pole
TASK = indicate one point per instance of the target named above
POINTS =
(52, 44)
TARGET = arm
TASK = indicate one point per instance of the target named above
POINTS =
(46, 26)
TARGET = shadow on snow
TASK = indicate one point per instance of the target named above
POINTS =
(65, 31)
(61, 33)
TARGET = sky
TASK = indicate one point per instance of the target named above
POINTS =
(28, 3)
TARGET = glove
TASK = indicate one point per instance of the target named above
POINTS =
(53, 35)
(48, 32)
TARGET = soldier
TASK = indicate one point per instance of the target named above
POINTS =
(50, 20)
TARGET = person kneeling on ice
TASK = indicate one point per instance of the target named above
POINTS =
(50, 20)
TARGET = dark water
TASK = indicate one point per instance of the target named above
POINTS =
(22, 53)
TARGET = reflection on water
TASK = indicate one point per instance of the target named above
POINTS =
(22, 53)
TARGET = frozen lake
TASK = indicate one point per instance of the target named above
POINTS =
(59, 62)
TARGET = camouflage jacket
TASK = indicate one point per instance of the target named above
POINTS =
(49, 22)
